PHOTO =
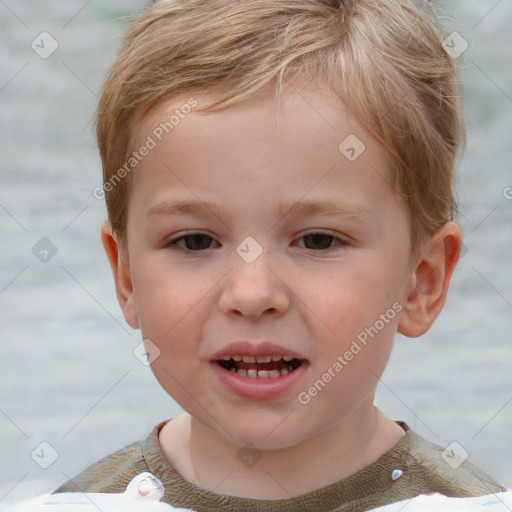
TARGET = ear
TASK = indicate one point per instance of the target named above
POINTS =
(120, 264)
(430, 280)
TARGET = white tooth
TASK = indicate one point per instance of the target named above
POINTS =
(290, 368)
(227, 358)
(284, 372)
(236, 358)
(248, 359)
(252, 373)
(232, 369)
(274, 374)
(263, 374)
(241, 372)
(287, 358)
(263, 359)
(276, 358)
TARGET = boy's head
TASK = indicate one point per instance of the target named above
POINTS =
(383, 59)
(304, 231)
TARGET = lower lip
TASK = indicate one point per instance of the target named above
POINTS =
(258, 388)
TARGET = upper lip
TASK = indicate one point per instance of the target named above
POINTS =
(262, 348)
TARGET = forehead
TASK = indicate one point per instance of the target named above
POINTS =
(289, 145)
(300, 103)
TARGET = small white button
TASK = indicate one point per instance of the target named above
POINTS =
(396, 474)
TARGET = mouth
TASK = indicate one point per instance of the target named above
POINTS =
(259, 371)
(260, 367)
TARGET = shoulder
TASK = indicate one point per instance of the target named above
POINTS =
(114, 472)
(496, 502)
(444, 472)
(111, 473)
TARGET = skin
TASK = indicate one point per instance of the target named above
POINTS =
(314, 296)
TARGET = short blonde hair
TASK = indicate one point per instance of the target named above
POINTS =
(383, 58)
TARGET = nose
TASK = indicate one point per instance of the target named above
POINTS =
(254, 290)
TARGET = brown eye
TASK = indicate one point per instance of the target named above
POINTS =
(318, 241)
(196, 242)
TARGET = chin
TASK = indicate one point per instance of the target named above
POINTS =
(265, 433)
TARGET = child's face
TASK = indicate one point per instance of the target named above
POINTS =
(258, 180)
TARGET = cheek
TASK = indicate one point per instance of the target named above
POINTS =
(167, 302)
(171, 316)
(349, 306)
(344, 296)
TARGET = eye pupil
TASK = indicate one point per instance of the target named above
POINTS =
(318, 239)
(199, 242)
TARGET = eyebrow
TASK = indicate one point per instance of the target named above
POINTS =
(186, 207)
(326, 208)
(299, 208)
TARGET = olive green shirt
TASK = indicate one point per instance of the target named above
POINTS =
(413, 467)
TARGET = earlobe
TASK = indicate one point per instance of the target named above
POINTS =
(430, 280)
(120, 264)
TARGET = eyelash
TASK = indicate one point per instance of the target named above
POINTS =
(174, 243)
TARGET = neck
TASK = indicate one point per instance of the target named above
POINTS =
(209, 461)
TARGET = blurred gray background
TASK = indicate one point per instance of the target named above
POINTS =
(70, 378)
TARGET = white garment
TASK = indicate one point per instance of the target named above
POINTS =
(142, 494)
(499, 502)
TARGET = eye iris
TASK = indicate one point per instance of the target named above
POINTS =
(198, 242)
(318, 239)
